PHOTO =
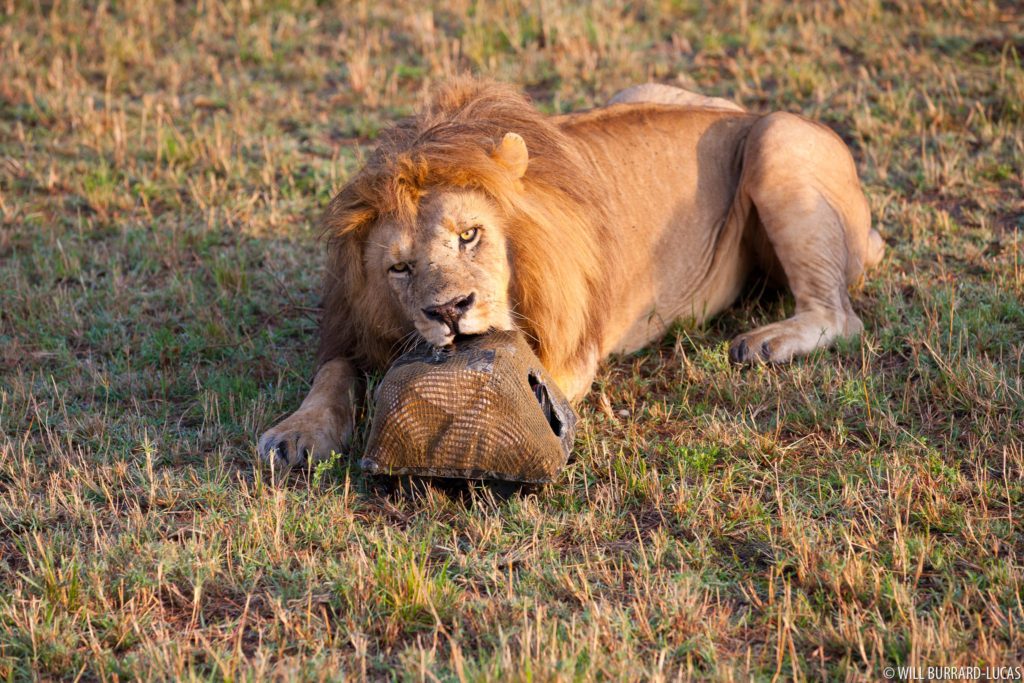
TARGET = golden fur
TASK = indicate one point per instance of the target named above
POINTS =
(592, 232)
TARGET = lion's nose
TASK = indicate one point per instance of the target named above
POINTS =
(451, 312)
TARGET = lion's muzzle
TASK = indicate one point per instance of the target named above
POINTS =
(451, 311)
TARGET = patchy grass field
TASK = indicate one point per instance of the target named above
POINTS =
(162, 167)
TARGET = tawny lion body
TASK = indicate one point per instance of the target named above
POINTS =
(592, 232)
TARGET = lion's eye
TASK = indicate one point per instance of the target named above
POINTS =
(399, 267)
(467, 236)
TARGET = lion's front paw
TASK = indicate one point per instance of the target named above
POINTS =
(305, 436)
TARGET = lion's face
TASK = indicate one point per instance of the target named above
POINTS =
(448, 273)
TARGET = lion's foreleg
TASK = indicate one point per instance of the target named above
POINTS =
(323, 423)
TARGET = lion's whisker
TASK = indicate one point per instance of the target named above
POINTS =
(519, 315)
(406, 342)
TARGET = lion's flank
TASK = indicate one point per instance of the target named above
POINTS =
(556, 224)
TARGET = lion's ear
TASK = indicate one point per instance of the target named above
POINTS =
(511, 153)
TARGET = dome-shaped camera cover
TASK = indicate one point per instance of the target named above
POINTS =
(486, 409)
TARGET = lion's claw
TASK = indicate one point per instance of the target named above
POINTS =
(738, 352)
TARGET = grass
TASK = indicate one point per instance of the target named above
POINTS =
(162, 166)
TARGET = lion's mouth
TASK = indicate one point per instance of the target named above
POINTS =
(466, 336)
(458, 337)
(442, 352)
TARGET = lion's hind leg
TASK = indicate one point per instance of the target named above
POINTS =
(800, 180)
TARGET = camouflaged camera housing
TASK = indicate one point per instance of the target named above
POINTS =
(486, 410)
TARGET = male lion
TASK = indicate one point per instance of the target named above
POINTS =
(591, 232)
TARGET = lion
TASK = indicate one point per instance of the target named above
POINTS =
(591, 232)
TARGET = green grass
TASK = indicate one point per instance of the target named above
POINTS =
(162, 167)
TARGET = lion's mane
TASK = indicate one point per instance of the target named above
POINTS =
(556, 226)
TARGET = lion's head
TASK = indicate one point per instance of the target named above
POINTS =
(478, 213)
(448, 269)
